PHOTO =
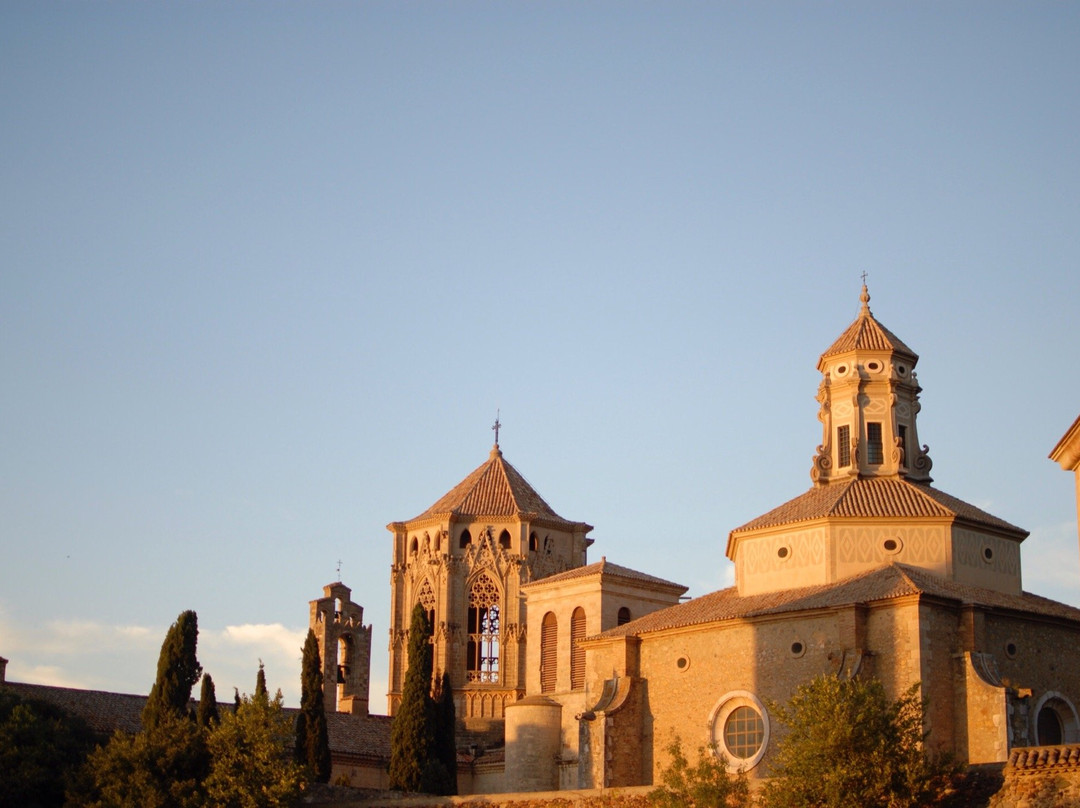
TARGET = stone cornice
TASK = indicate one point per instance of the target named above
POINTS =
(1067, 451)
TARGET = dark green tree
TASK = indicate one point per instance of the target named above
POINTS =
(163, 766)
(177, 672)
(207, 713)
(312, 738)
(41, 749)
(260, 684)
(445, 733)
(706, 784)
(849, 746)
(414, 762)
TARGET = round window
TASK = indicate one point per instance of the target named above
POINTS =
(891, 545)
(988, 554)
(797, 649)
(682, 663)
(783, 552)
(874, 366)
(739, 727)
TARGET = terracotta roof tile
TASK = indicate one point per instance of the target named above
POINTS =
(876, 497)
(883, 583)
(867, 334)
(605, 568)
(356, 735)
(494, 489)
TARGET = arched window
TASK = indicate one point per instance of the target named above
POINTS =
(504, 540)
(482, 664)
(413, 546)
(426, 598)
(624, 617)
(534, 543)
(577, 651)
(465, 540)
(549, 653)
(345, 654)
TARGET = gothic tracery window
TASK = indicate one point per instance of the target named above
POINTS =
(426, 597)
(482, 664)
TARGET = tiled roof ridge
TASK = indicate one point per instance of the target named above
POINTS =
(875, 497)
(494, 488)
(867, 333)
(604, 567)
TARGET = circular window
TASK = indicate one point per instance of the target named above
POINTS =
(901, 370)
(840, 371)
(739, 727)
(682, 663)
(797, 649)
(988, 554)
(783, 552)
(874, 366)
(892, 545)
(1010, 649)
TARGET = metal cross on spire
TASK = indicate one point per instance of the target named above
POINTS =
(864, 278)
(339, 570)
(496, 427)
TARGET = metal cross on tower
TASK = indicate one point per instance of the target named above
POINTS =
(496, 427)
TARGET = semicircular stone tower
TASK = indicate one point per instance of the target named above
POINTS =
(465, 559)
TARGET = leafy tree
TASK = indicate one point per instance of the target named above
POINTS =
(849, 746)
(161, 767)
(208, 710)
(445, 735)
(178, 671)
(414, 762)
(312, 738)
(251, 767)
(706, 784)
(41, 748)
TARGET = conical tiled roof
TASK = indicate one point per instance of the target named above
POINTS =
(495, 489)
(882, 497)
(867, 334)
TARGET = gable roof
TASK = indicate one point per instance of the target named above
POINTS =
(877, 497)
(884, 583)
(867, 334)
(495, 489)
(605, 569)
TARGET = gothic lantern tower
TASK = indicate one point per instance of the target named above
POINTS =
(465, 559)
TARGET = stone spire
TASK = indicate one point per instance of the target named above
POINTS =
(869, 397)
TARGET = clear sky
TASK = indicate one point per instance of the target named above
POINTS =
(267, 270)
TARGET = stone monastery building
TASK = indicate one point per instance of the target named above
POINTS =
(591, 670)
(568, 674)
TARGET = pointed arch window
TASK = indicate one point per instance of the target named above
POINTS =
(577, 651)
(426, 598)
(549, 653)
(482, 664)
(504, 540)
(623, 617)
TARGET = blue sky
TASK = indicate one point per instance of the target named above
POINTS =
(267, 270)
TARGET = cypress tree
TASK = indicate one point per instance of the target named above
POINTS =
(178, 671)
(208, 710)
(261, 695)
(414, 765)
(445, 734)
(312, 739)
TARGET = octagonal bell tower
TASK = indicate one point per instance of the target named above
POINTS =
(869, 399)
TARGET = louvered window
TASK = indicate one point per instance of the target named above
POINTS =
(577, 651)
(549, 652)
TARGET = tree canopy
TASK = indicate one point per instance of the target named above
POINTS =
(849, 746)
